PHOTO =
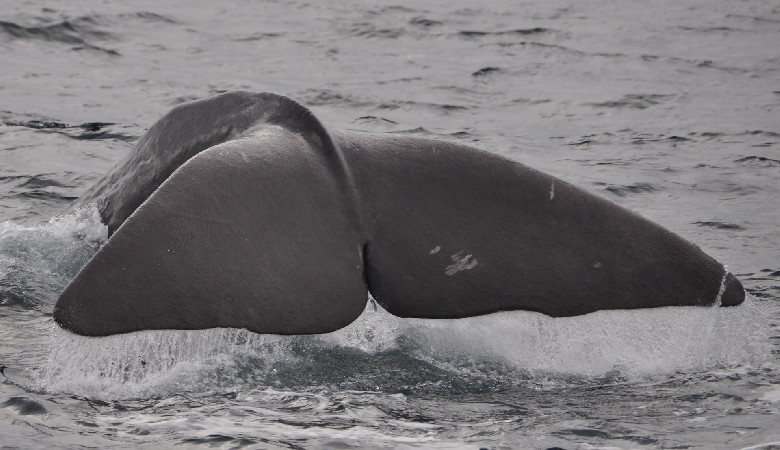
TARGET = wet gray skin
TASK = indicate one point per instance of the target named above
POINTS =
(242, 210)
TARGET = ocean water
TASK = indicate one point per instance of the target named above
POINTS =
(669, 108)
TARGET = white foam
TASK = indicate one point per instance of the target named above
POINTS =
(637, 344)
(148, 363)
(37, 262)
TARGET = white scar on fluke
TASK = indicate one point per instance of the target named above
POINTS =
(460, 263)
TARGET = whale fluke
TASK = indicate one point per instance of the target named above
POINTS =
(242, 210)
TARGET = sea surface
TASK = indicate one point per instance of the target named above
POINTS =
(670, 108)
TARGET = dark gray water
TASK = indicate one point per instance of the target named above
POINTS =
(669, 108)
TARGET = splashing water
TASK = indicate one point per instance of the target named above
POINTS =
(37, 262)
(490, 352)
(510, 347)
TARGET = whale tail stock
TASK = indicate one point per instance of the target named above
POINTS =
(242, 211)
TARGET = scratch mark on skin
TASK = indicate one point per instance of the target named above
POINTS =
(435, 250)
(552, 190)
(459, 264)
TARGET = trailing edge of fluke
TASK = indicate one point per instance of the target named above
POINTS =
(242, 210)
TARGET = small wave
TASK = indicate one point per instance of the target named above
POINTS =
(425, 22)
(763, 285)
(41, 194)
(759, 19)
(635, 101)
(485, 71)
(369, 30)
(262, 36)
(77, 32)
(36, 124)
(102, 135)
(375, 123)
(707, 64)
(636, 188)
(719, 225)
(55, 186)
(444, 108)
(391, 9)
(182, 99)
(724, 185)
(148, 17)
(712, 29)
(397, 80)
(85, 131)
(74, 31)
(531, 101)
(24, 405)
(581, 142)
(417, 130)
(95, 48)
(216, 440)
(554, 47)
(38, 181)
(517, 31)
(757, 160)
(375, 120)
(321, 97)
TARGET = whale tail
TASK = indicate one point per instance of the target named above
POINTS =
(243, 211)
